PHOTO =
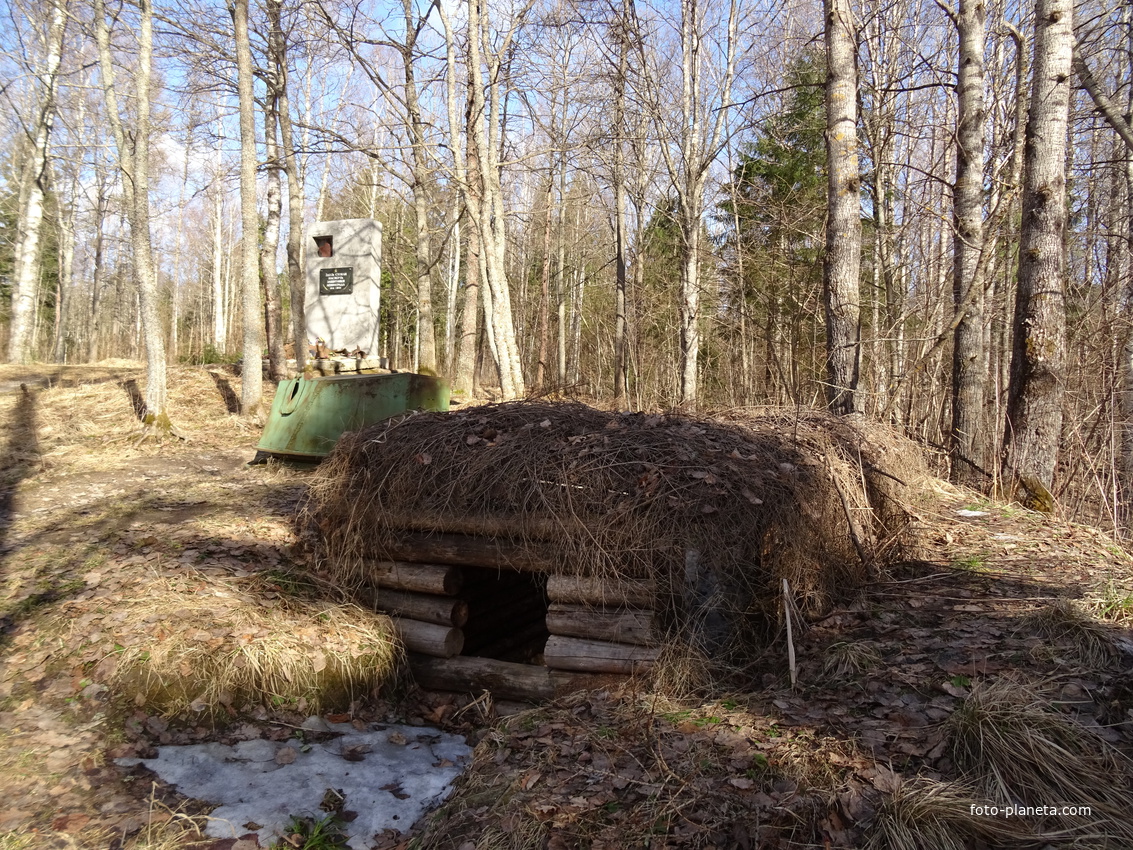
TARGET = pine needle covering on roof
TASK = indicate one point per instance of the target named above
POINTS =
(715, 510)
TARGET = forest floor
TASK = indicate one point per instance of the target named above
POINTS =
(1006, 609)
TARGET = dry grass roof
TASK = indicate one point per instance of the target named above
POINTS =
(716, 510)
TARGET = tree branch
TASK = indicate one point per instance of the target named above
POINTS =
(1119, 122)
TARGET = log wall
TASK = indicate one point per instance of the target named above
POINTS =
(453, 593)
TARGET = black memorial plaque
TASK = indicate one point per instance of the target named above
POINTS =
(336, 281)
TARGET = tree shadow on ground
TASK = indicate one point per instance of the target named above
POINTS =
(19, 458)
(231, 401)
(55, 559)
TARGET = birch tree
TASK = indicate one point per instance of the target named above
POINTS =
(1034, 405)
(277, 60)
(842, 268)
(134, 162)
(621, 31)
(485, 61)
(968, 435)
(33, 190)
(704, 106)
(273, 310)
(251, 384)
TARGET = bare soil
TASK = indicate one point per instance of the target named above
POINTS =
(91, 511)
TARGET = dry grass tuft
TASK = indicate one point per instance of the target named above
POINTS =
(201, 645)
(1020, 752)
(168, 829)
(922, 814)
(716, 510)
(20, 839)
(1065, 624)
(1114, 604)
(682, 672)
(848, 659)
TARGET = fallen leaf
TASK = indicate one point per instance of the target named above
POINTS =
(741, 783)
(395, 789)
(356, 753)
(70, 823)
(286, 755)
(397, 738)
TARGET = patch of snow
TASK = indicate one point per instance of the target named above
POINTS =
(966, 512)
(390, 775)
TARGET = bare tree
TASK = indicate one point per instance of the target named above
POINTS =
(703, 108)
(1034, 406)
(621, 30)
(133, 159)
(426, 337)
(486, 204)
(32, 191)
(273, 312)
(1121, 122)
(251, 392)
(465, 176)
(969, 356)
(277, 60)
(842, 269)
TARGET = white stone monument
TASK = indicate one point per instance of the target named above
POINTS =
(344, 266)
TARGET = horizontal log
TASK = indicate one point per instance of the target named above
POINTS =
(467, 551)
(429, 638)
(515, 527)
(636, 627)
(506, 680)
(443, 579)
(594, 656)
(442, 610)
(469, 674)
(600, 591)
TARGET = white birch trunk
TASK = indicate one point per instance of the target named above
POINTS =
(133, 157)
(1038, 357)
(251, 393)
(969, 354)
(33, 187)
(277, 46)
(842, 268)
(490, 219)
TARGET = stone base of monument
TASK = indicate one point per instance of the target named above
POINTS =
(341, 365)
